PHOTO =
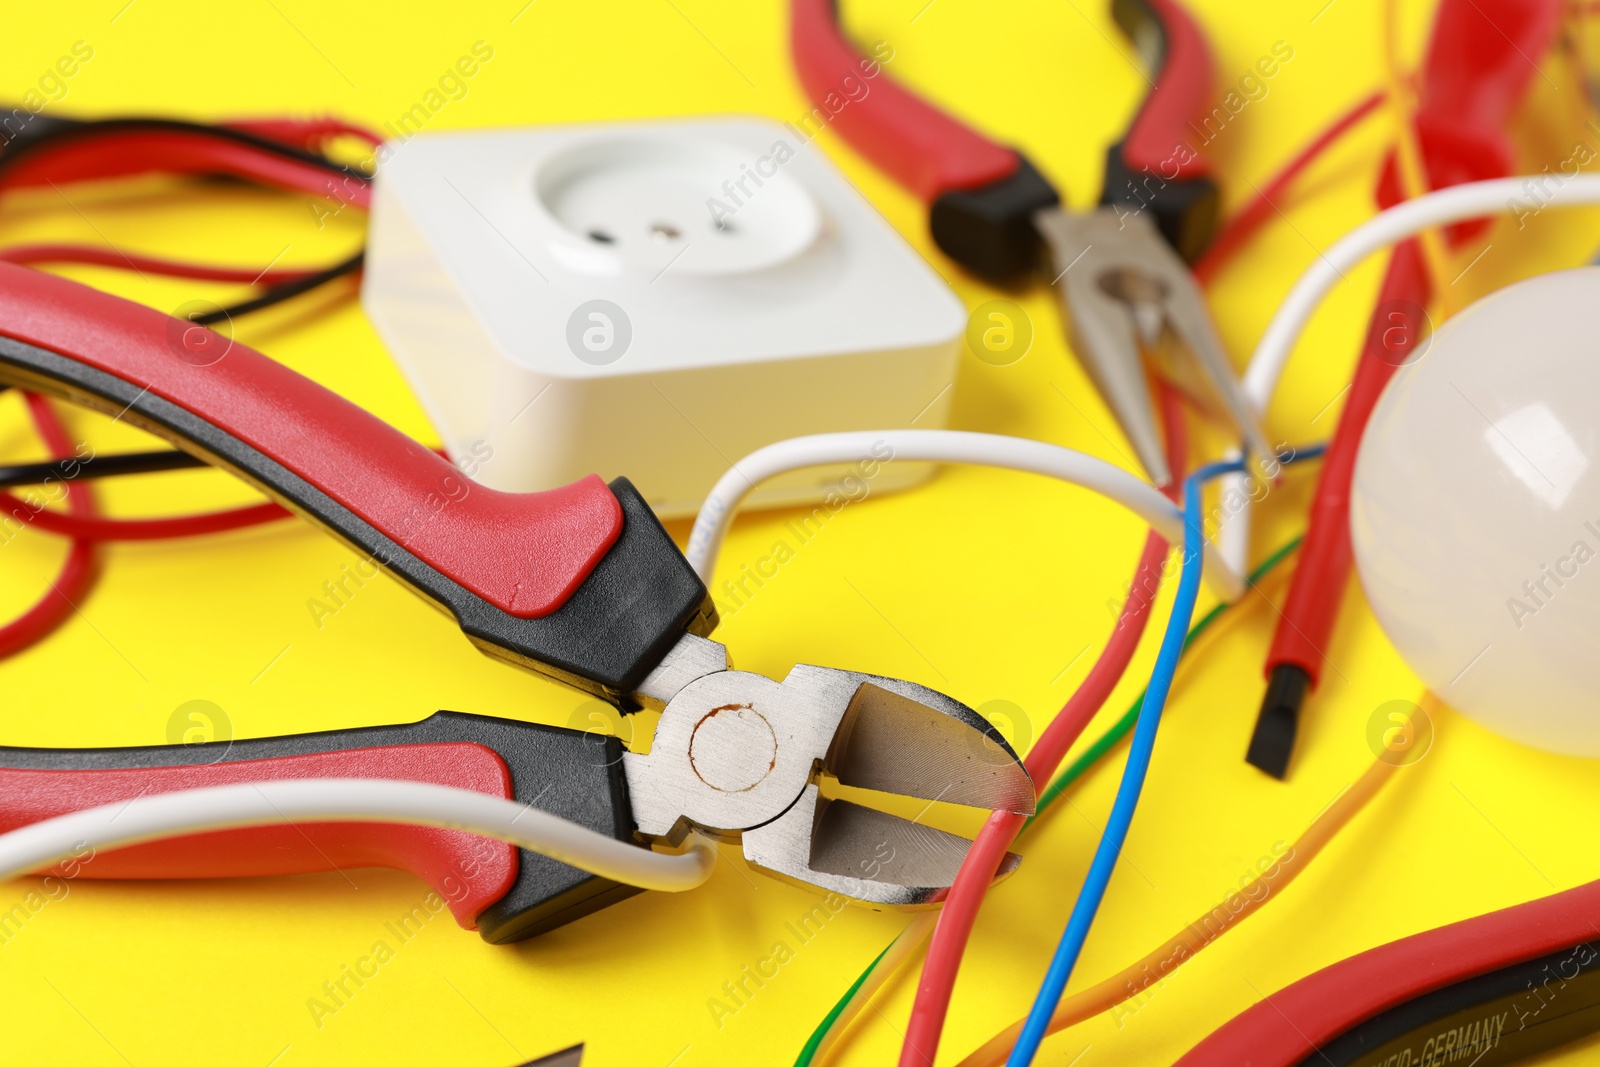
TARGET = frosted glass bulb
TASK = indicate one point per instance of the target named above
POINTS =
(1476, 512)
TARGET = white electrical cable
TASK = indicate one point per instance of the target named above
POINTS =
(1405, 219)
(226, 807)
(939, 446)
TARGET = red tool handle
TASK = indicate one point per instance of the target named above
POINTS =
(1392, 339)
(513, 568)
(918, 145)
(1289, 1027)
(931, 153)
(487, 884)
(1160, 165)
(468, 872)
(982, 197)
(523, 553)
(1161, 140)
(1476, 71)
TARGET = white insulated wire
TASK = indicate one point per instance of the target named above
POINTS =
(940, 446)
(154, 816)
(1406, 219)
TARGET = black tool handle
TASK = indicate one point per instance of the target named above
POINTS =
(507, 893)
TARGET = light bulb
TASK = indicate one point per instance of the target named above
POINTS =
(1475, 512)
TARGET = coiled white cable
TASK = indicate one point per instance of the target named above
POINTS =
(227, 807)
(940, 446)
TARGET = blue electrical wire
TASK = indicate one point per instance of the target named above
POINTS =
(1133, 775)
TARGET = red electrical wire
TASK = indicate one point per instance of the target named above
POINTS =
(977, 871)
(91, 527)
(972, 882)
(1263, 205)
(78, 571)
(310, 134)
(127, 152)
(28, 255)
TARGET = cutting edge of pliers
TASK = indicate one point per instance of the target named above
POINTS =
(747, 759)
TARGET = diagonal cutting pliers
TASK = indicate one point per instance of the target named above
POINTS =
(581, 584)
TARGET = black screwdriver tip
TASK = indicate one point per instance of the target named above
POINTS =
(1273, 741)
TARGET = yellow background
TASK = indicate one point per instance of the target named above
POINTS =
(989, 586)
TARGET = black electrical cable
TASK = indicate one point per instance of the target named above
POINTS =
(75, 468)
(39, 132)
(277, 294)
(273, 295)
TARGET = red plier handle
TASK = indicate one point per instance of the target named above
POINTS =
(1487, 991)
(580, 583)
(503, 892)
(919, 146)
(982, 195)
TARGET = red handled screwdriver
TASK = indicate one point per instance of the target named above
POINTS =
(1475, 75)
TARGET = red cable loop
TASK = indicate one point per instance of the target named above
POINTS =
(310, 134)
(98, 529)
(125, 153)
(78, 570)
(94, 255)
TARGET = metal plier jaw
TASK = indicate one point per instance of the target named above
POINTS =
(741, 757)
(1125, 294)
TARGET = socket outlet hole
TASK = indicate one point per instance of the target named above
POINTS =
(650, 194)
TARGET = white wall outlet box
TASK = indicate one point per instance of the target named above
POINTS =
(652, 300)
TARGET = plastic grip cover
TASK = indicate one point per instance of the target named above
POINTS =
(467, 871)
(522, 552)
(509, 894)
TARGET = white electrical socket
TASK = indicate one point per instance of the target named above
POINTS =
(653, 300)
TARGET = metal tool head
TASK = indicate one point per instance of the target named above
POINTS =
(1127, 294)
(743, 758)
